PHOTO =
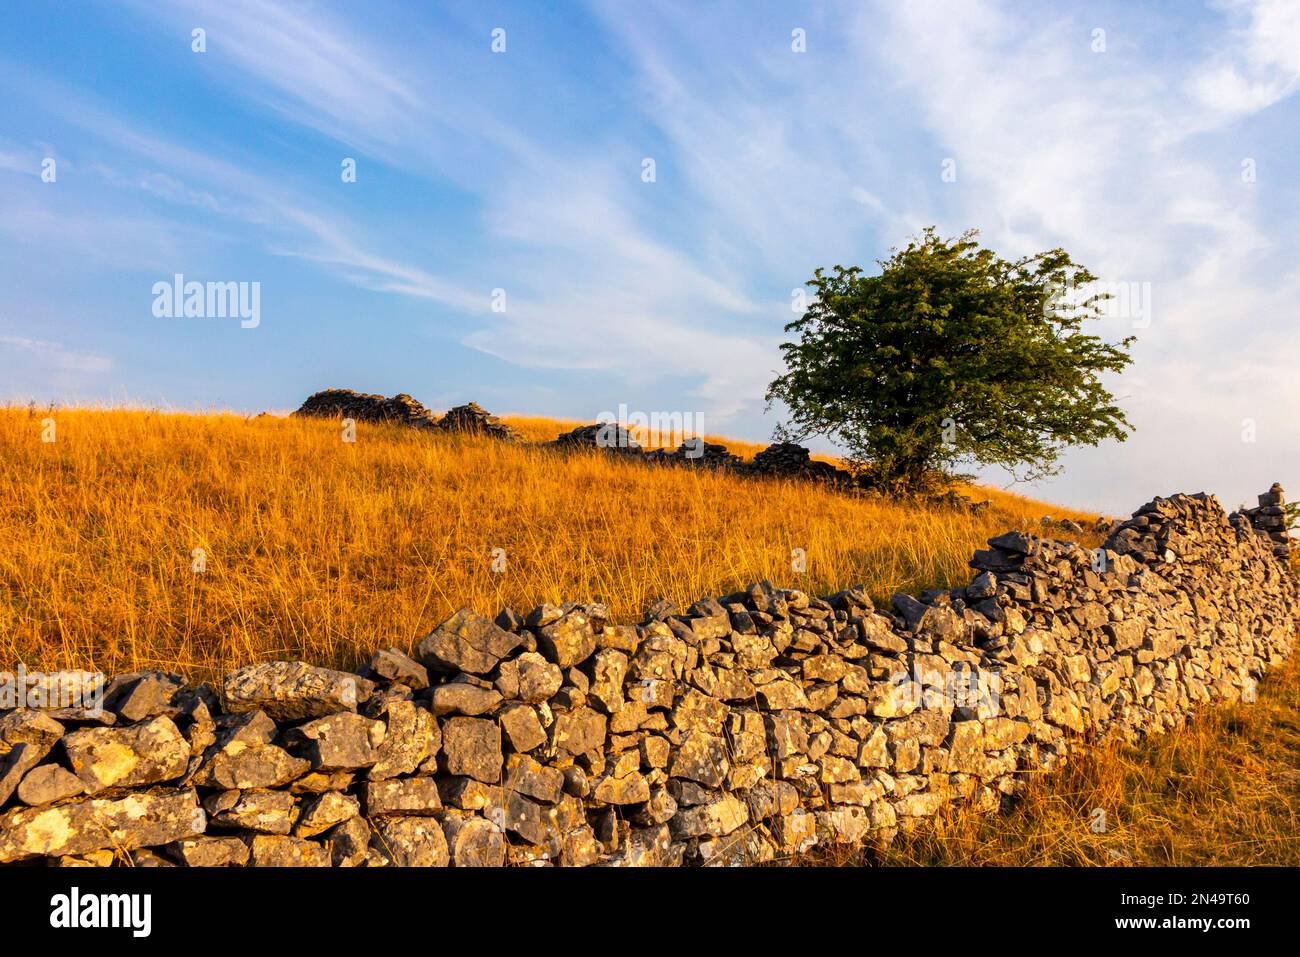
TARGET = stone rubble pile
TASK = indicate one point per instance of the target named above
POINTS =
(1070, 526)
(612, 437)
(753, 726)
(607, 436)
(346, 404)
(403, 410)
(787, 460)
(697, 452)
(1270, 518)
(474, 419)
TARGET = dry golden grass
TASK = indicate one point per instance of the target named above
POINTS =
(1224, 790)
(325, 550)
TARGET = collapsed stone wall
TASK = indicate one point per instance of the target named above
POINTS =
(752, 726)
(780, 460)
(364, 407)
(401, 409)
(1271, 519)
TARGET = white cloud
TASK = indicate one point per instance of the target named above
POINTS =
(1058, 145)
(770, 164)
(1261, 63)
(289, 222)
(55, 357)
(576, 260)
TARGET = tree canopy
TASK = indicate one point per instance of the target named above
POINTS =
(952, 354)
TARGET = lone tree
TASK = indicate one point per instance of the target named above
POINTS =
(951, 355)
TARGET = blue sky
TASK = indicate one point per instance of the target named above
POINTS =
(522, 171)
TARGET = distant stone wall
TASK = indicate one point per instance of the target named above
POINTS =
(782, 459)
(750, 727)
(401, 409)
(364, 407)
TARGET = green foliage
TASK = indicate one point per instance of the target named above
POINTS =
(951, 354)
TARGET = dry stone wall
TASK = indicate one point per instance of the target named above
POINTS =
(782, 459)
(363, 407)
(748, 727)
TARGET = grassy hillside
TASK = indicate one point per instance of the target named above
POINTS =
(325, 550)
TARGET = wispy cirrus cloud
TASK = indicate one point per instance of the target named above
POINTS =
(1108, 151)
(572, 256)
(523, 172)
(1260, 65)
(1113, 155)
(53, 356)
(290, 222)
